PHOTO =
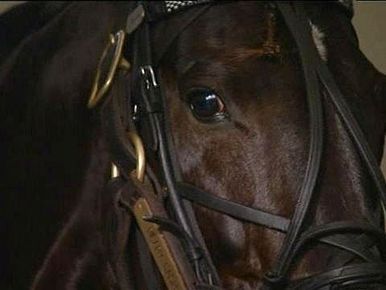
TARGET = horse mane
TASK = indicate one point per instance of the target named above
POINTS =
(22, 20)
(46, 128)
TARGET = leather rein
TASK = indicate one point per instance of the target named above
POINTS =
(135, 127)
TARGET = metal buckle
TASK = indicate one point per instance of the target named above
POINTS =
(136, 141)
(148, 75)
(151, 89)
(139, 149)
(118, 61)
(116, 41)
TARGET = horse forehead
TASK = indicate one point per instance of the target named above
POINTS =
(231, 22)
(238, 23)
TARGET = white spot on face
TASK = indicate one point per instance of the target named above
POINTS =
(318, 38)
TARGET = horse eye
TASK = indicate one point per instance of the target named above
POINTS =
(206, 105)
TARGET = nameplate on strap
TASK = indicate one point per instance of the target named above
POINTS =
(158, 246)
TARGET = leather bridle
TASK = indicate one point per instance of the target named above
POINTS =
(161, 202)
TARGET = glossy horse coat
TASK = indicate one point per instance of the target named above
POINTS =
(56, 164)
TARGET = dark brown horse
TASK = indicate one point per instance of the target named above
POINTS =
(237, 109)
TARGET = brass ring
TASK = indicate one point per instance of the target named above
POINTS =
(97, 92)
(140, 154)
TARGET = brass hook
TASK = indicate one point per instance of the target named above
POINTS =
(140, 154)
(118, 61)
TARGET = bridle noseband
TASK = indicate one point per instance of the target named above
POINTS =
(161, 201)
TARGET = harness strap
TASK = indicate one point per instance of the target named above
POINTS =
(356, 247)
(302, 37)
(147, 92)
(140, 199)
(234, 209)
(353, 128)
(297, 23)
(115, 129)
(333, 228)
(362, 274)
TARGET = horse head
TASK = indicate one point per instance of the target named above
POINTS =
(250, 120)
(237, 105)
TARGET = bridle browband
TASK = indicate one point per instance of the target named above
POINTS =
(161, 202)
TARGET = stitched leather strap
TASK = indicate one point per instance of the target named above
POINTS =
(364, 274)
(233, 209)
(357, 247)
(302, 37)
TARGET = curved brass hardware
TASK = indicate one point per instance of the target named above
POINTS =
(118, 61)
(114, 171)
(124, 64)
(140, 154)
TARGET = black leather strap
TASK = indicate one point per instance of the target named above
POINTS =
(121, 151)
(342, 227)
(363, 274)
(233, 209)
(302, 37)
(353, 128)
(149, 94)
(356, 247)
(182, 25)
(294, 16)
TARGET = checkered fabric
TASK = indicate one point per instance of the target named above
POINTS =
(173, 6)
